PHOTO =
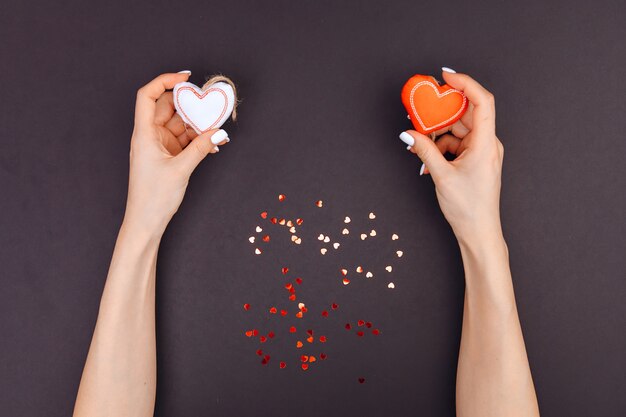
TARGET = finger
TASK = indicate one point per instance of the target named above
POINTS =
(427, 151)
(459, 130)
(200, 147)
(467, 117)
(148, 95)
(164, 109)
(448, 144)
(176, 125)
(484, 112)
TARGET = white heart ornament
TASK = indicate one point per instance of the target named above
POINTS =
(204, 109)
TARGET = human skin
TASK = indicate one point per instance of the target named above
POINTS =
(493, 374)
(119, 377)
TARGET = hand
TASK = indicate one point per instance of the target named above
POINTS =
(163, 154)
(468, 188)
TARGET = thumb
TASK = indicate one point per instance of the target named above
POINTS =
(427, 151)
(200, 147)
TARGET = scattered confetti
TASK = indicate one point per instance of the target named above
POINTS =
(298, 241)
(348, 326)
(360, 333)
(391, 285)
(399, 253)
(266, 238)
(259, 352)
(264, 215)
(320, 237)
(323, 356)
(372, 216)
(359, 269)
(334, 306)
(344, 272)
(326, 239)
(246, 306)
(346, 281)
(305, 366)
(257, 251)
(299, 221)
(336, 245)
(283, 312)
(285, 270)
(262, 339)
(292, 229)
(301, 306)
(258, 229)
(373, 232)
(346, 220)
(283, 365)
(323, 251)
(248, 333)
(389, 268)
(273, 310)
(345, 232)
(322, 339)
(298, 280)
(375, 332)
(360, 323)
(271, 335)
(299, 344)
(292, 329)
(324, 313)
(251, 239)
(289, 223)
(281, 222)
(274, 220)
(281, 197)
(319, 203)
(369, 274)
(361, 380)
(363, 236)
(394, 237)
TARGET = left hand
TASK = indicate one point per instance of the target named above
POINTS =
(163, 154)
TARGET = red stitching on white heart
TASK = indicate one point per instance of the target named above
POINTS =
(451, 91)
(201, 96)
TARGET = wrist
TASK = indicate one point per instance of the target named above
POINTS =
(143, 233)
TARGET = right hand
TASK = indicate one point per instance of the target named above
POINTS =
(468, 188)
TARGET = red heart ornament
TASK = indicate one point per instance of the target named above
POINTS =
(432, 106)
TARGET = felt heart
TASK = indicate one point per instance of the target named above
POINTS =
(430, 106)
(204, 109)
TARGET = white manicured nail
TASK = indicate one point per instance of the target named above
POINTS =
(219, 136)
(185, 72)
(217, 149)
(406, 138)
(408, 148)
(449, 70)
(422, 169)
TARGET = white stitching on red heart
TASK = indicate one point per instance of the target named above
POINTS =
(451, 91)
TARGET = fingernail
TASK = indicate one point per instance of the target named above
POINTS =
(219, 136)
(408, 117)
(217, 148)
(408, 148)
(422, 169)
(185, 72)
(449, 70)
(406, 138)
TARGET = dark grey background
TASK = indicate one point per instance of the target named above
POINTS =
(320, 117)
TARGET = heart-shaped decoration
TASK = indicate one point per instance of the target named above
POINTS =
(204, 108)
(431, 106)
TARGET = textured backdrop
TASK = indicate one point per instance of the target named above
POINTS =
(319, 119)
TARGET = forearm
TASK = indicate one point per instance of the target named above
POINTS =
(119, 378)
(493, 376)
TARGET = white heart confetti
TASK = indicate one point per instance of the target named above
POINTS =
(389, 268)
(373, 233)
(251, 239)
(372, 216)
(369, 274)
(292, 229)
(258, 229)
(363, 236)
(257, 251)
(326, 239)
(359, 269)
(345, 232)
(391, 285)
(399, 253)
(346, 220)
(323, 251)
(336, 245)
(394, 237)
(320, 237)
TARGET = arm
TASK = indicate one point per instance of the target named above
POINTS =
(493, 377)
(119, 378)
